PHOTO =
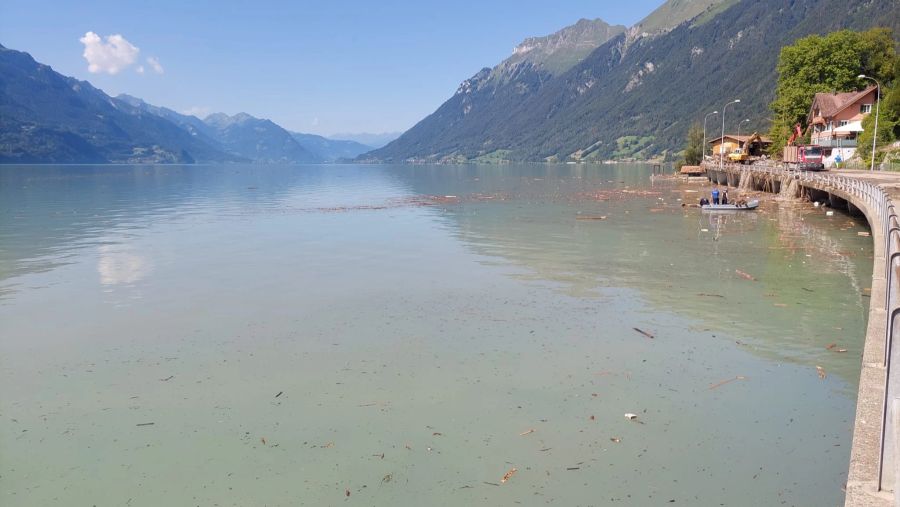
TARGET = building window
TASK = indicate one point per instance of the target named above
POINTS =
(843, 122)
(865, 108)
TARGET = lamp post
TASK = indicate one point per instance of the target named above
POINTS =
(703, 156)
(722, 139)
(877, 101)
(741, 123)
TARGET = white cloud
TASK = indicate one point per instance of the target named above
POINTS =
(315, 122)
(155, 65)
(140, 69)
(111, 56)
(198, 111)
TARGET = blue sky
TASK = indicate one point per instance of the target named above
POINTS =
(321, 67)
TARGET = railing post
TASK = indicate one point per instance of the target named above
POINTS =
(889, 281)
(885, 404)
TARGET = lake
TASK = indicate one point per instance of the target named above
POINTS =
(403, 335)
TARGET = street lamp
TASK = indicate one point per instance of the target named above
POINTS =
(722, 140)
(704, 133)
(741, 123)
(877, 101)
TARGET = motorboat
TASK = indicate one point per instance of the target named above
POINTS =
(749, 206)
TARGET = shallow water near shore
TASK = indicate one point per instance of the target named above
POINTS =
(402, 335)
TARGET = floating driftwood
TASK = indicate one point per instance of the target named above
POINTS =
(508, 475)
(722, 383)
(745, 276)
(645, 333)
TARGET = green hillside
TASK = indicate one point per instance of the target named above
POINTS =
(635, 98)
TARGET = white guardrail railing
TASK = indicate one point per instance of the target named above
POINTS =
(881, 207)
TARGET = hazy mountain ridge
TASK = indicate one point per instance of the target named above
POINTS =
(254, 139)
(534, 62)
(330, 150)
(193, 125)
(633, 97)
(560, 51)
(675, 12)
(366, 138)
(259, 140)
(48, 117)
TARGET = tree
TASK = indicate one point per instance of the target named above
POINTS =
(888, 117)
(693, 152)
(825, 64)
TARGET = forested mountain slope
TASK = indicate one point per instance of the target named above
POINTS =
(635, 97)
(48, 117)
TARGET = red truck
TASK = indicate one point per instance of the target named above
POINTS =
(804, 158)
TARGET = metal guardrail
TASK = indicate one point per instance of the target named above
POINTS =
(827, 142)
(880, 205)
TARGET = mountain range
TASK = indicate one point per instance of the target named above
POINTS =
(46, 117)
(594, 91)
(591, 91)
(366, 138)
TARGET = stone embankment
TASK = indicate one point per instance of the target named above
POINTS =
(875, 455)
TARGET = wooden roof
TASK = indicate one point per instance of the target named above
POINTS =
(830, 104)
(741, 139)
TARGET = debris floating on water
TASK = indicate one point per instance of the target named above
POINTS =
(146, 424)
(526, 432)
(630, 416)
(279, 393)
(645, 333)
(745, 276)
(722, 383)
(821, 372)
(512, 472)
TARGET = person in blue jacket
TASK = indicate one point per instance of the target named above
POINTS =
(715, 195)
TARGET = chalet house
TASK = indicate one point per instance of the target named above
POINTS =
(733, 142)
(836, 118)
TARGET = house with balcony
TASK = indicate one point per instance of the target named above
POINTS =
(836, 121)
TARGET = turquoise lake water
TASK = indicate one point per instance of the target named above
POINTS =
(407, 335)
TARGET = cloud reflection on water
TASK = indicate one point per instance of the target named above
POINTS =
(118, 265)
